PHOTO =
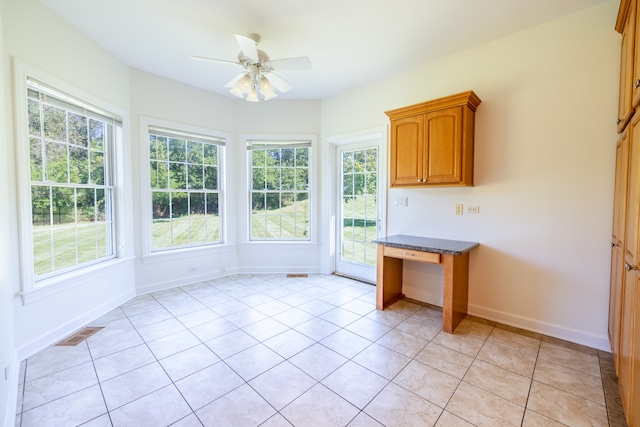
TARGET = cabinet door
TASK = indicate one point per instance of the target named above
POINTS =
(443, 156)
(615, 303)
(631, 240)
(627, 342)
(625, 108)
(620, 189)
(633, 419)
(635, 78)
(406, 151)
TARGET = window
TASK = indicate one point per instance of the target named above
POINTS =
(279, 189)
(185, 171)
(71, 184)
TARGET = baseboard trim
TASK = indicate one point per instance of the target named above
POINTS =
(12, 401)
(184, 281)
(562, 332)
(71, 326)
(534, 325)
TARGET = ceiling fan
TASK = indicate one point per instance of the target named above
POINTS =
(259, 73)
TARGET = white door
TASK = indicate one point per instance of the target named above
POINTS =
(358, 211)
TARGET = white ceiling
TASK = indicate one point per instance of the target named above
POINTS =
(350, 42)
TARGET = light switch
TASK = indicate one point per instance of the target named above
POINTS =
(473, 209)
(402, 202)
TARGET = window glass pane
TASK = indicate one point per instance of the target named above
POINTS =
(273, 157)
(258, 157)
(179, 219)
(57, 162)
(78, 165)
(55, 123)
(273, 178)
(78, 130)
(96, 134)
(62, 203)
(194, 152)
(161, 148)
(195, 173)
(85, 203)
(88, 239)
(40, 205)
(34, 117)
(64, 246)
(177, 150)
(42, 250)
(211, 154)
(197, 219)
(177, 175)
(211, 178)
(288, 157)
(288, 178)
(35, 155)
(302, 179)
(358, 183)
(371, 160)
(96, 167)
(302, 157)
(101, 208)
(258, 202)
(258, 179)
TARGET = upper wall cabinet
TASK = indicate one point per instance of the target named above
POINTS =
(628, 25)
(432, 142)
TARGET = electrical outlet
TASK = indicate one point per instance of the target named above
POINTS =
(192, 270)
(459, 207)
(473, 209)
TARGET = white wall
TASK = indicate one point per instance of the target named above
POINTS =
(159, 98)
(31, 33)
(8, 275)
(544, 163)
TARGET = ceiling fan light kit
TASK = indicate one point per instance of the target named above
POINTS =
(258, 76)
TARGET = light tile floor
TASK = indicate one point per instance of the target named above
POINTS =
(268, 350)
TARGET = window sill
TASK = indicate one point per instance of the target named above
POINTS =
(48, 287)
(264, 245)
(178, 254)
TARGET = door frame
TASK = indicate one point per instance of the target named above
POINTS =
(379, 134)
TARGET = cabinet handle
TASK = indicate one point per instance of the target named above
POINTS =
(409, 254)
(629, 267)
(613, 245)
(619, 121)
(636, 85)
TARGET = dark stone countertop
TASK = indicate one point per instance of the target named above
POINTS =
(427, 244)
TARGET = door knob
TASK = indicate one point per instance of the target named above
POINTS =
(629, 267)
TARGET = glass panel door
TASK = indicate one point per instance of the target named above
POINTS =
(358, 217)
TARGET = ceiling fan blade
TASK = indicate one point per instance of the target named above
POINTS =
(235, 80)
(278, 82)
(248, 46)
(221, 61)
(300, 63)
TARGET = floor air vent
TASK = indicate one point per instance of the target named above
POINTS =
(79, 336)
(298, 275)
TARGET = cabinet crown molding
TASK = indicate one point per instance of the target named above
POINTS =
(468, 98)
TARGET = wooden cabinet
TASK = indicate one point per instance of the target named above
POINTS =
(624, 303)
(617, 239)
(432, 143)
(625, 96)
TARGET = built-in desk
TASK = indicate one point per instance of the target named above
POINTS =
(452, 254)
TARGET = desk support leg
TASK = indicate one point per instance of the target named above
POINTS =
(388, 279)
(456, 290)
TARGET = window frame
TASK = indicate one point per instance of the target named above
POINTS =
(153, 255)
(283, 140)
(32, 286)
